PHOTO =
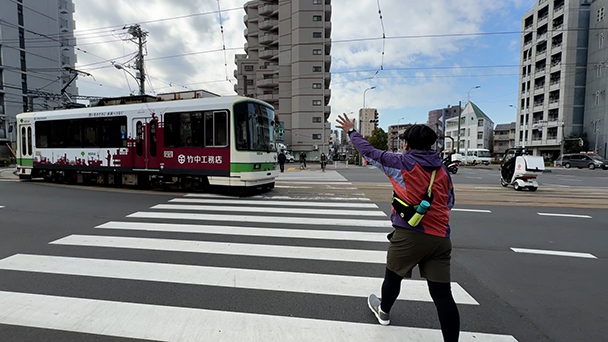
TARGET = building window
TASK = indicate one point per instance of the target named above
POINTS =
(480, 123)
(598, 70)
(316, 69)
(316, 51)
(316, 2)
(316, 18)
(248, 67)
(316, 102)
(600, 39)
(600, 14)
(249, 82)
(479, 135)
(317, 35)
(316, 86)
(316, 119)
(597, 97)
(316, 136)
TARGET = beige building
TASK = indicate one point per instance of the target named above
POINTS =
(395, 143)
(504, 138)
(287, 64)
(553, 70)
(368, 121)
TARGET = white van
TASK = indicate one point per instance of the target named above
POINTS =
(474, 156)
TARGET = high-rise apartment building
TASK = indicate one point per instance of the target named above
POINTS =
(287, 64)
(37, 46)
(596, 104)
(553, 75)
(369, 121)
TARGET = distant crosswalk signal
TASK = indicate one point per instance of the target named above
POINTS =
(580, 142)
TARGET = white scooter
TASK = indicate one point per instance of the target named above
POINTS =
(520, 170)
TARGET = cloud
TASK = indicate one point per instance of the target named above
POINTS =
(419, 34)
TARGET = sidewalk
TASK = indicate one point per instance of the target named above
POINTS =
(8, 172)
(315, 166)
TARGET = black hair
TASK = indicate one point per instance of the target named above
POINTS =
(420, 137)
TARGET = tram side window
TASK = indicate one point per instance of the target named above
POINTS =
(80, 133)
(184, 130)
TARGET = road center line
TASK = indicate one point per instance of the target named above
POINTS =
(558, 253)
(565, 215)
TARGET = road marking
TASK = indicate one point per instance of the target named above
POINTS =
(226, 248)
(315, 182)
(474, 177)
(565, 215)
(1, 206)
(559, 253)
(265, 219)
(311, 198)
(171, 323)
(264, 210)
(248, 231)
(473, 210)
(326, 284)
(276, 203)
(487, 187)
(570, 179)
(311, 187)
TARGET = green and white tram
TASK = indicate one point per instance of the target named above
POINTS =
(198, 143)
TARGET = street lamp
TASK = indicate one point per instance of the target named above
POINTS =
(469, 93)
(141, 86)
(398, 134)
(363, 110)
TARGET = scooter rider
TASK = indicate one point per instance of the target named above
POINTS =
(420, 183)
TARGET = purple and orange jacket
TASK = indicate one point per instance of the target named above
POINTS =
(410, 175)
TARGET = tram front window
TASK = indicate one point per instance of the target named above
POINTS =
(254, 127)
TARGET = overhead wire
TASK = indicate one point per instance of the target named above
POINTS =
(383, 40)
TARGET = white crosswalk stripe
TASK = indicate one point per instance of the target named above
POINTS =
(312, 220)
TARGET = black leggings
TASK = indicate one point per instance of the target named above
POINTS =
(449, 318)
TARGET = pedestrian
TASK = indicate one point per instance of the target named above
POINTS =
(281, 159)
(302, 160)
(420, 182)
(323, 161)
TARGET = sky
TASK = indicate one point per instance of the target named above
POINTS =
(433, 52)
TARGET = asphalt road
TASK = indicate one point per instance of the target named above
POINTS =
(529, 296)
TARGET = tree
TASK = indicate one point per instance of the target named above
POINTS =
(379, 139)
(571, 143)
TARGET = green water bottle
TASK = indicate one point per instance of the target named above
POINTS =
(420, 211)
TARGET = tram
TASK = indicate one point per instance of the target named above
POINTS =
(186, 144)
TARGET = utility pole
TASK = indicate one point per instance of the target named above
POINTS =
(140, 35)
(459, 109)
(596, 129)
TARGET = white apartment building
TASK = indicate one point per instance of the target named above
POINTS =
(553, 71)
(476, 129)
(287, 64)
(37, 45)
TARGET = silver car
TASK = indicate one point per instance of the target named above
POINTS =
(581, 160)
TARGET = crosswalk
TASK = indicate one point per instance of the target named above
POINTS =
(289, 246)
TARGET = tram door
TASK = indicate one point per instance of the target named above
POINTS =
(146, 144)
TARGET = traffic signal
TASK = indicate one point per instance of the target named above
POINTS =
(580, 142)
(373, 120)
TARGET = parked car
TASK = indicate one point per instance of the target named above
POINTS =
(581, 160)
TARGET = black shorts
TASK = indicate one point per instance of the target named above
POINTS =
(431, 253)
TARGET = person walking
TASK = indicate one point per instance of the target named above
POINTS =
(281, 159)
(423, 196)
(302, 160)
(323, 160)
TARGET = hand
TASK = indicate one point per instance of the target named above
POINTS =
(345, 123)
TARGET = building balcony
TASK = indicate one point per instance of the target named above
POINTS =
(267, 54)
(528, 43)
(274, 67)
(553, 103)
(266, 9)
(541, 37)
(268, 82)
(267, 39)
(540, 70)
(268, 24)
(557, 45)
(558, 10)
(557, 28)
(268, 97)
(542, 20)
(539, 89)
(542, 53)
(539, 105)
(556, 66)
